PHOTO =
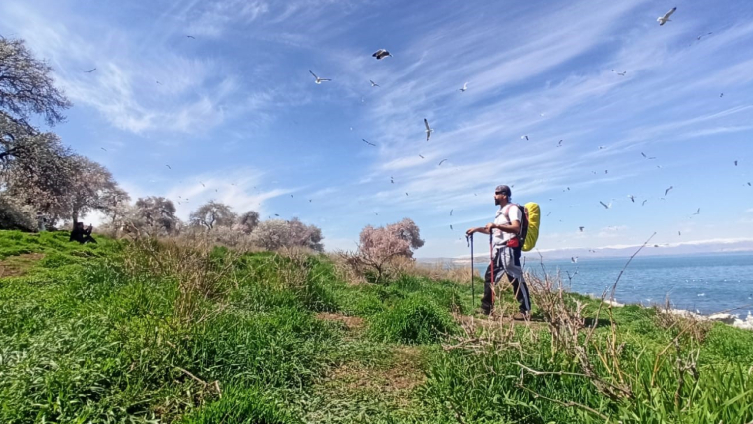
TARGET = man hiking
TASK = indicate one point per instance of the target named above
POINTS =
(506, 252)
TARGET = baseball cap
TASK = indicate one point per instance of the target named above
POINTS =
(503, 189)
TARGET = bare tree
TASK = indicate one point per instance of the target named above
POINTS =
(26, 86)
(212, 214)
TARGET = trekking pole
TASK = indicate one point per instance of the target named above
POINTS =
(491, 260)
(469, 240)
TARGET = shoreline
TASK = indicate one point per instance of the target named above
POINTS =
(733, 320)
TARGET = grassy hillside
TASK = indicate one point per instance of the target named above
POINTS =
(161, 332)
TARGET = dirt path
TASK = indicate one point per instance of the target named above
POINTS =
(14, 266)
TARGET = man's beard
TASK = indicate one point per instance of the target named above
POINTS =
(496, 202)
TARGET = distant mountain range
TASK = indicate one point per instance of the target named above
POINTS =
(718, 246)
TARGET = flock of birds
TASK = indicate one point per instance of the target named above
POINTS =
(383, 53)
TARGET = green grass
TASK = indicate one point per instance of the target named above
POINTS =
(129, 332)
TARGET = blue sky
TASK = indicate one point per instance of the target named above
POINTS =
(237, 116)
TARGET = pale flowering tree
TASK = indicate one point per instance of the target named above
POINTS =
(378, 246)
(88, 186)
(246, 222)
(213, 214)
(155, 216)
(275, 234)
(27, 87)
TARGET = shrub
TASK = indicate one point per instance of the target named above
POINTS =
(413, 320)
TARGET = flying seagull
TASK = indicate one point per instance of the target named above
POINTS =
(603, 204)
(664, 19)
(451, 211)
(465, 86)
(574, 259)
(667, 190)
(381, 54)
(735, 163)
(644, 202)
(169, 167)
(524, 137)
(721, 95)
(679, 233)
(366, 141)
(319, 80)
(698, 212)
(421, 156)
(91, 70)
(559, 143)
(647, 157)
(373, 84)
(631, 197)
(703, 35)
(202, 184)
(601, 147)
(191, 36)
(441, 162)
(103, 149)
(428, 129)
(392, 180)
(451, 227)
(581, 229)
(406, 194)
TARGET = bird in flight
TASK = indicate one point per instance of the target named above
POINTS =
(451, 227)
(559, 143)
(168, 166)
(605, 205)
(574, 259)
(392, 180)
(406, 194)
(644, 202)
(103, 149)
(664, 19)
(202, 184)
(647, 157)
(465, 86)
(319, 80)
(441, 162)
(581, 229)
(381, 54)
(366, 141)
(429, 130)
(631, 197)
(721, 95)
(451, 211)
(698, 212)
(277, 214)
(703, 35)
(601, 147)
(667, 190)
(679, 233)
(373, 84)
(421, 156)
(735, 163)
(191, 36)
(524, 137)
(91, 70)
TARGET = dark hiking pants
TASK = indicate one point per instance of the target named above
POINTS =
(506, 261)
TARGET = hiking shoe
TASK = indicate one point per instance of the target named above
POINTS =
(520, 316)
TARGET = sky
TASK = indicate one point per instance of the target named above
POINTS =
(235, 113)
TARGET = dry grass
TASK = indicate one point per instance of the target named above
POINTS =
(200, 276)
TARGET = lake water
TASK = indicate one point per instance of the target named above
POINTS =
(703, 283)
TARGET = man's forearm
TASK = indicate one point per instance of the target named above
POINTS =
(482, 230)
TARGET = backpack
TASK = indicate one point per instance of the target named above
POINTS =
(529, 224)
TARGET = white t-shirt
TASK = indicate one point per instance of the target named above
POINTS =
(515, 214)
